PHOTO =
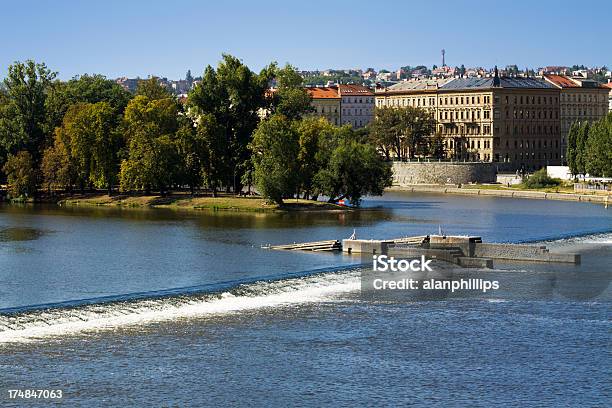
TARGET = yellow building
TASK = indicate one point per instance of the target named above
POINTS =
(514, 121)
(580, 101)
(326, 103)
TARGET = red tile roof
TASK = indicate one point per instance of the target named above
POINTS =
(356, 90)
(561, 81)
(608, 85)
(323, 92)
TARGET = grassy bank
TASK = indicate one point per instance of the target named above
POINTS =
(550, 193)
(566, 189)
(188, 202)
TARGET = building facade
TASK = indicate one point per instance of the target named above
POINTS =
(357, 103)
(514, 121)
(609, 87)
(343, 104)
(326, 103)
(580, 100)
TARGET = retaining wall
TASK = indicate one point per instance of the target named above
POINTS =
(405, 174)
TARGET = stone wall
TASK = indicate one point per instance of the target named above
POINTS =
(405, 173)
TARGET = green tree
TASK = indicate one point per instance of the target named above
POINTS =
(313, 133)
(233, 94)
(22, 114)
(190, 148)
(540, 179)
(354, 170)
(416, 124)
(83, 89)
(572, 147)
(401, 130)
(21, 174)
(290, 98)
(581, 152)
(152, 157)
(152, 89)
(215, 161)
(275, 149)
(88, 141)
(103, 125)
(385, 132)
(434, 147)
(56, 167)
(599, 148)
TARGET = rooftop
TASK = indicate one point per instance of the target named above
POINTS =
(561, 81)
(496, 82)
(355, 90)
(323, 92)
(418, 85)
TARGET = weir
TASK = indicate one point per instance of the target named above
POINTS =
(465, 251)
(32, 322)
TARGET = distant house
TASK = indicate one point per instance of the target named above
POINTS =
(129, 84)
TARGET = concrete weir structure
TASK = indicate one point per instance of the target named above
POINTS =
(466, 251)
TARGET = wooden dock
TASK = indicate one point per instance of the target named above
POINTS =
(336, 245)
(329, 245)
(417, 240)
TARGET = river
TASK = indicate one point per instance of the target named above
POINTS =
(132, 307)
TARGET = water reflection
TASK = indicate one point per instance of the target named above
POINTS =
(209, 218)
(19, 234)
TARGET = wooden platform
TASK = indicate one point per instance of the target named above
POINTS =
(417, 240)
(329, 245)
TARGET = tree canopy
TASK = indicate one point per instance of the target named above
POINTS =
(401, 131)
(235, 127)
(589, 148)
(23, 110)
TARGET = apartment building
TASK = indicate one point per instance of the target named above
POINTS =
(357, 104)
(514, 121)
(580, 100)
(326, 103)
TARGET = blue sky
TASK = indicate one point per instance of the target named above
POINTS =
(165, 38)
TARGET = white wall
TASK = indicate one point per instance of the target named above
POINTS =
(560, 172)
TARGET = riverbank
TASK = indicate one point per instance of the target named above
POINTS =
(501, 191)
(187, 202)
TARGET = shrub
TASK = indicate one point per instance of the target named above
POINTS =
(540, 179)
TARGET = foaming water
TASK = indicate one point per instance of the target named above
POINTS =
(601, 237)
(31, 325)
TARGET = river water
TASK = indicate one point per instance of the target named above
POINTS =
(150, 307)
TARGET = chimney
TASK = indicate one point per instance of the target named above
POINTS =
(496, 81)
